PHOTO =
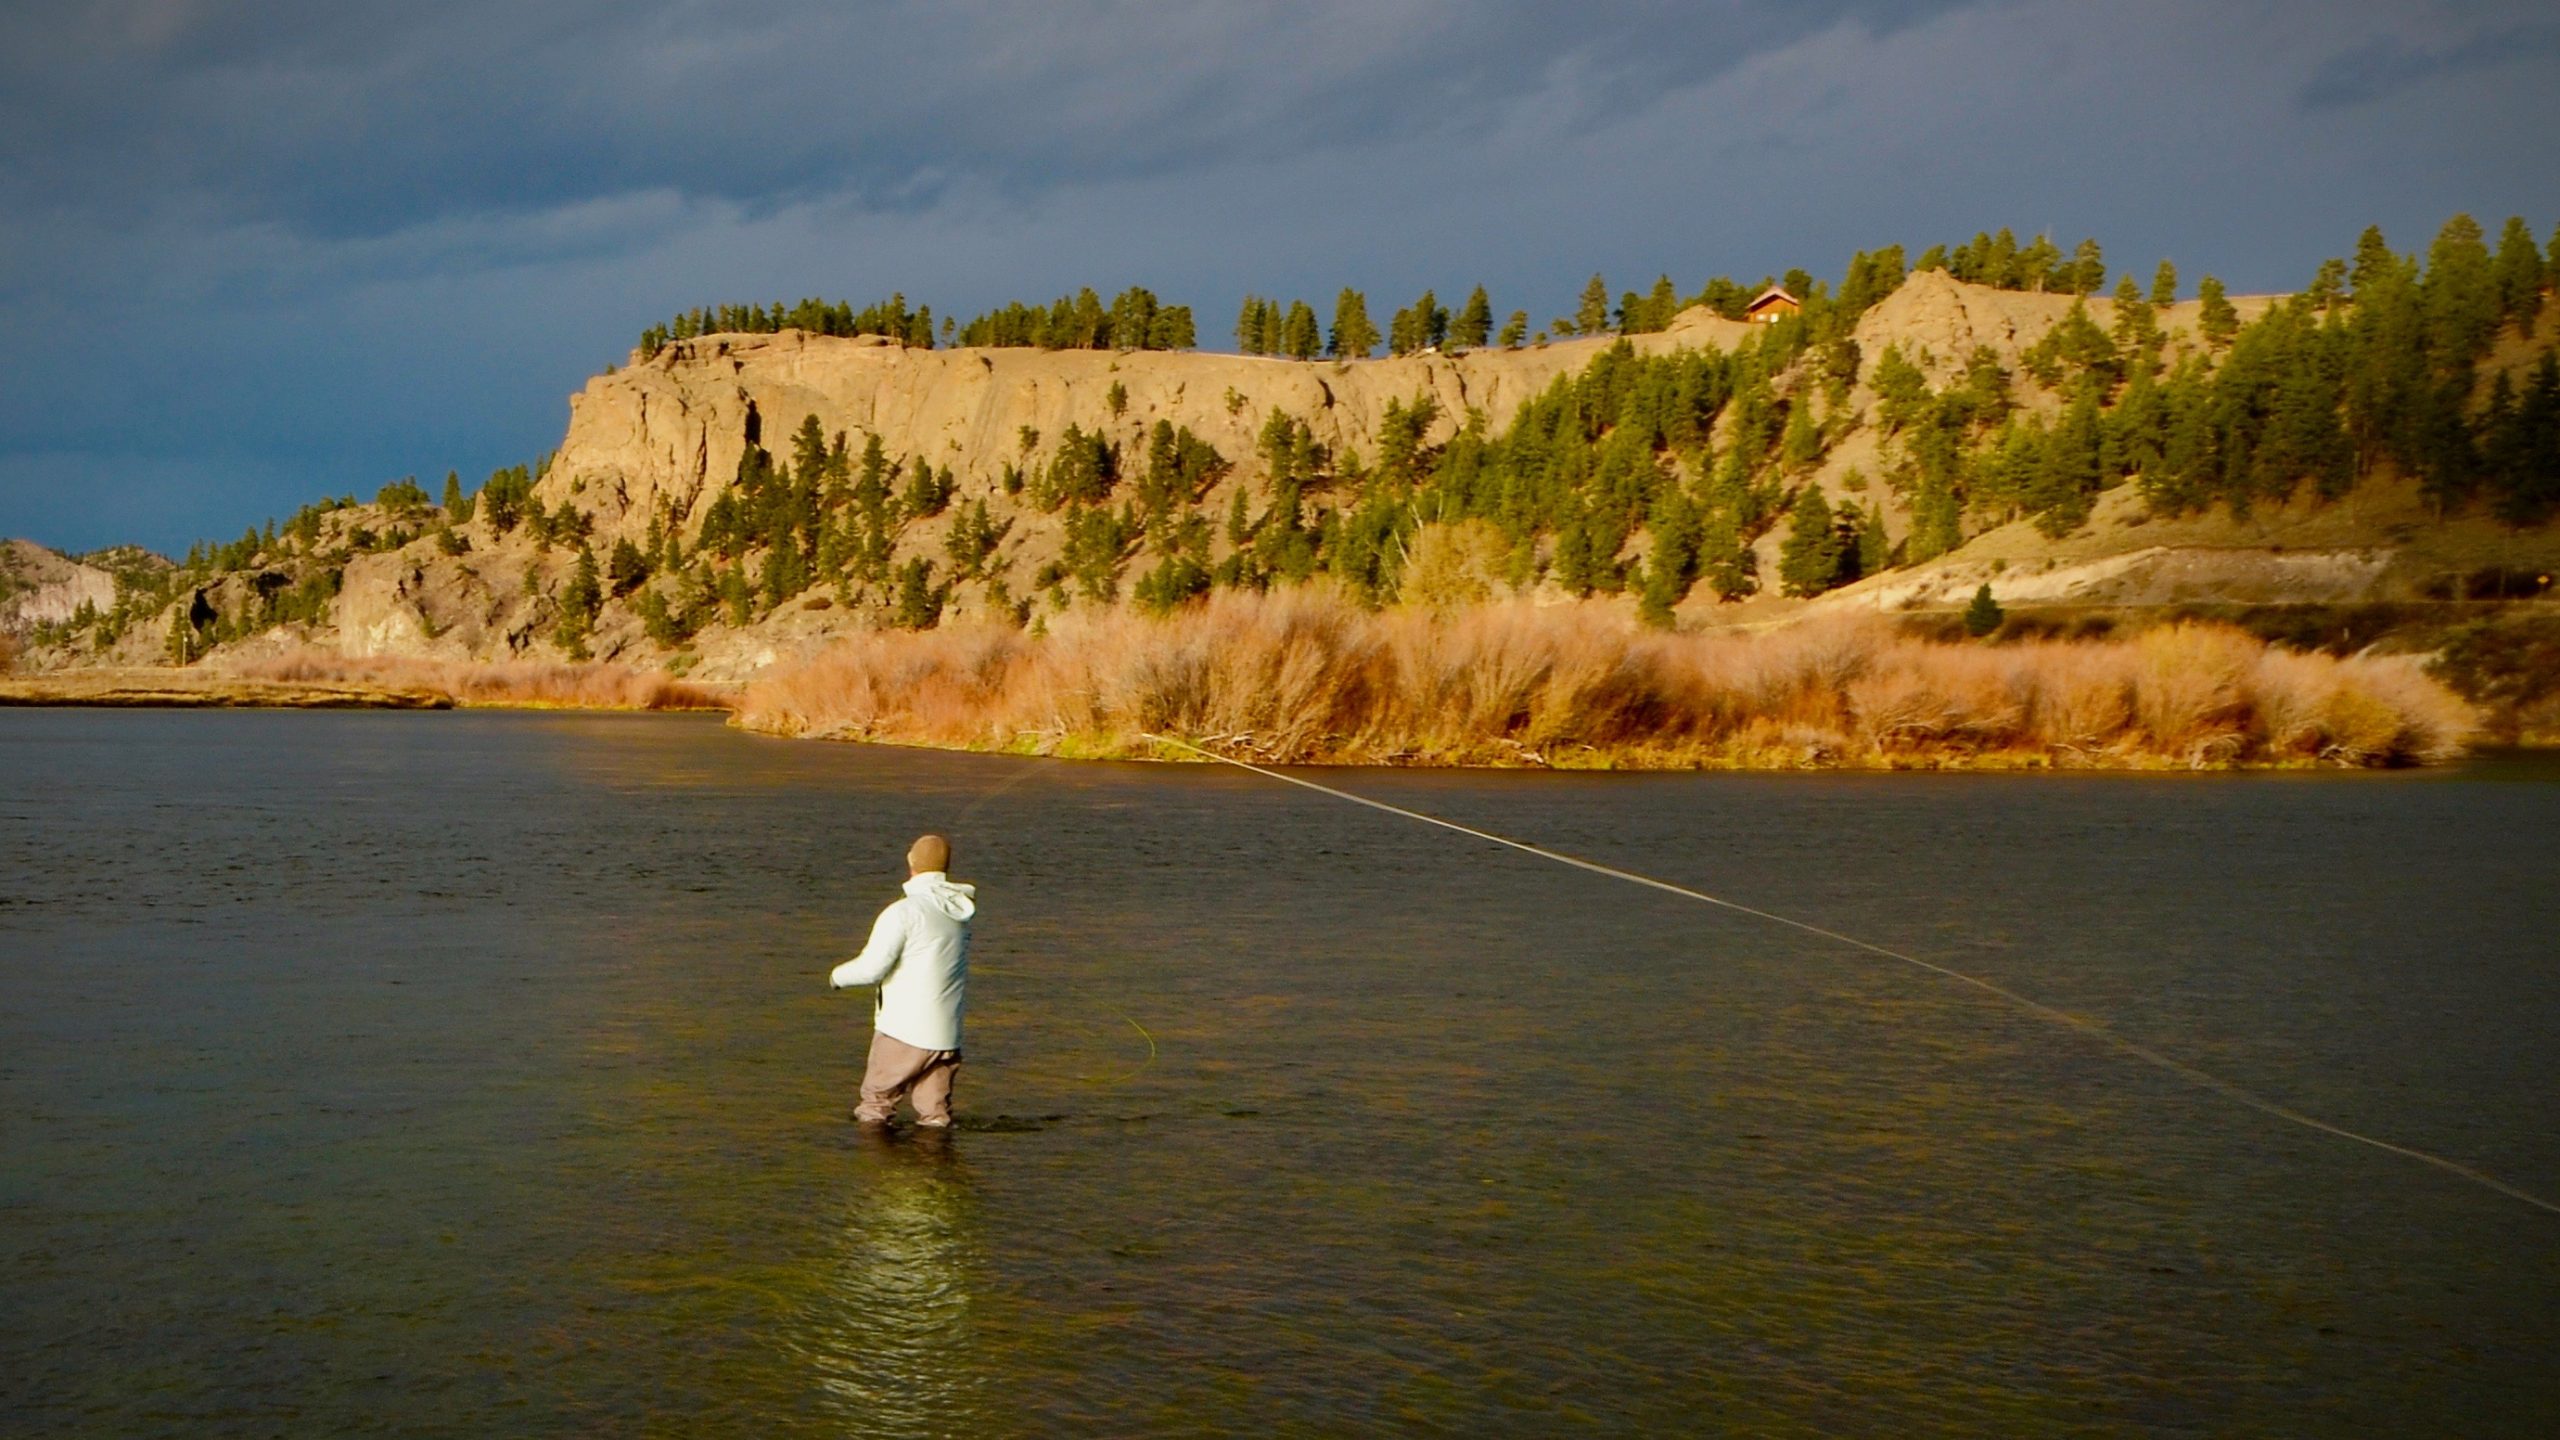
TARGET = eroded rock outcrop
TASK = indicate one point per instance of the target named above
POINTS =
(670, 430)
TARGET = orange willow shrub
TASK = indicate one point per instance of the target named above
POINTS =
(518, 682)
(1306, 675)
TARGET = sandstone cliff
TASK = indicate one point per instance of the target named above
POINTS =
(663, 437)
(671, 429)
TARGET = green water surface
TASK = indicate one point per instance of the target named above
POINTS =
(476, 1074)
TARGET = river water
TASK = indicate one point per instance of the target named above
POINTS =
(475, 1074)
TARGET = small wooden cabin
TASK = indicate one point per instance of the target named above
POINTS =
(1774, 304)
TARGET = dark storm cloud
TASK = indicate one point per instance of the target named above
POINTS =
(2387, 66)
(272, 251)
(363, 118)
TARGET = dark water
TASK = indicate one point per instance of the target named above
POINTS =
(474, 1074)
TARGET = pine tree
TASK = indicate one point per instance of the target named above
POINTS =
(579, 601)
(1663, 303)
(1239, 521)
(1249, 325)
(1515, 331)
(1875, 546)
(2088, 268)
(662, 623)
(2134, 429)
(2385, 356)
(1801, 444)
(2135, 328)
(2328, 285)
(1172, 329)
(1592, 315)
(2214, 315)
(2522, 449)
(2035, 265)
(1576, 567)
(627, 568)
(1354, 336)
(1726, 559)
(1902, 389)
(2066, 468)
(808, 451)
(2519, 275)
(2164, 285)
(1474, 325)
(1872, 275)
(1984, 615)
(1673, 565)
(1420, 326)
(1133, 318)
(919, 599)
(2459, 295)
(1301, 337)
(1810, 559)
(2375, 262)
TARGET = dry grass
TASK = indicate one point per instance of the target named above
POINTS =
(1307, 676)
(527, 684)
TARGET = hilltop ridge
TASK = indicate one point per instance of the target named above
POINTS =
(725, 502)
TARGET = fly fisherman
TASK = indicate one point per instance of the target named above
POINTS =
(919, 957)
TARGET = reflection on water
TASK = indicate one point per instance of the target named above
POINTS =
(475, 1074)
(889, 1338)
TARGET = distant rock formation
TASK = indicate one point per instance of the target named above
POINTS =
(39, 586)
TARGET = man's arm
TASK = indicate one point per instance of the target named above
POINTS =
(888, 939)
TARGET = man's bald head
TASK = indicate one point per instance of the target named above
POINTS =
(929, 854)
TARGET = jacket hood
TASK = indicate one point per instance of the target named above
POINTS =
(935, 889)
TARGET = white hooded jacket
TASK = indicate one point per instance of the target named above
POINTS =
(919, 957)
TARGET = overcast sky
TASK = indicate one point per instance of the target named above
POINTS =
(258, 253)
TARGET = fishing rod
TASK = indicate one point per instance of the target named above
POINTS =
(2204, 1079)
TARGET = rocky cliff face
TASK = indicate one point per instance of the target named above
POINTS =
(40, 586)
(671, 429)
(662, 438)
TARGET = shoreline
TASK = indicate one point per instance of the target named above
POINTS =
(1136, 750)
(156, 690)
(180, 690)
(174, 689)
(401, 685)
(177, 689)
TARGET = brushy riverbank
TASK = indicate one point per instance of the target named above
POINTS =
(1309, 677)
(170, 688)
(319, 680)
(516, 684)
